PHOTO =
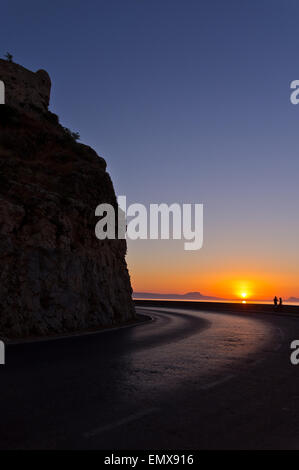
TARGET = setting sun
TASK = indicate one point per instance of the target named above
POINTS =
(244, 295)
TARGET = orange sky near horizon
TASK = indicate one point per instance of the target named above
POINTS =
(224, 285)
(163, 267)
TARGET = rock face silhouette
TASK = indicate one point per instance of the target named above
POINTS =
(56, 276)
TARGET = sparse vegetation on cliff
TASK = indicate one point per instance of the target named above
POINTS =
(73, 135)
(8, 57)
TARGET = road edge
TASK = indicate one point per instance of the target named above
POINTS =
(147, 318)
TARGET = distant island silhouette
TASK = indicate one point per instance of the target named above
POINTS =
(187, 296)
(199, 296)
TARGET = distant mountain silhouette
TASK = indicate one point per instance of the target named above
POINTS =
(293, 299)
(187, 296)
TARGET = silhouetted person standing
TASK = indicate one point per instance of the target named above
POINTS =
(275, 301)
(280, 302)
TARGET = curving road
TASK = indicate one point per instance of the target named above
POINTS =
(185, 380)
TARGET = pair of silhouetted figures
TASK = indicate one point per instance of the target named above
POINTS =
(277, 303)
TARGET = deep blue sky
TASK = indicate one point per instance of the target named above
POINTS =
(188, 101)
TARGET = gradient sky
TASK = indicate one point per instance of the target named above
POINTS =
(188, 101)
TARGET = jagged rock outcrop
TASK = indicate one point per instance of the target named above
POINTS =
(25, 90)
(56, 276)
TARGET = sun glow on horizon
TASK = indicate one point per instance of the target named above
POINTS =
(238, 286)
(243, 289)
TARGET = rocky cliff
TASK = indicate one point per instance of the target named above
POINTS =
(56, 276)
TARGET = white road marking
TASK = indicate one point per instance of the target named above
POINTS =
(217, 382)
(120, 422)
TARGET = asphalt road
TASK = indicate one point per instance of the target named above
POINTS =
(186, 380)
